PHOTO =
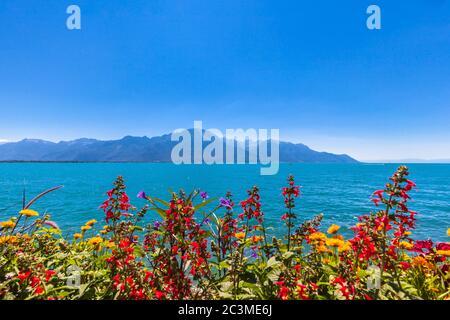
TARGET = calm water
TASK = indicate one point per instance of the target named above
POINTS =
(340, 191)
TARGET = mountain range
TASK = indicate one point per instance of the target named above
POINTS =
(136, 149)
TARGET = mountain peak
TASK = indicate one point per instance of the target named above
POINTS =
(136, 149)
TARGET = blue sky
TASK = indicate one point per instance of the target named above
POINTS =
(310, 68)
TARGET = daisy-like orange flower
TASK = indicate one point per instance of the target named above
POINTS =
(29, 213)
(333, 229)
(240, 235)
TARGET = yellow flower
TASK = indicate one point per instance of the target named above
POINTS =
(7, 224)
(322, 249)
(25, 236)
(333, 229)
(240, 235)
(29, 213)
(77, 236)
(406, 245)
(109, 244)
(85, 228)
(95, 241)
(345, 247)
(317, 236)
(7, 239)
(448, 232)
(91, 222)
(443, 253)
(407, 233)
(334, 242)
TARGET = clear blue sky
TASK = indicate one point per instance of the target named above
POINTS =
(310, 68)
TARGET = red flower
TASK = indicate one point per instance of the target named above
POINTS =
(39, 290)
(443, 246)
(159, 295)
(409, 185)
(379, 193)
(23, 276)
(421, 245)
(405, 265)
(49, 274)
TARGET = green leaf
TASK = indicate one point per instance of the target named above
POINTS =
(272, 262)
(161, 201)
(204, 203)
(161, 212)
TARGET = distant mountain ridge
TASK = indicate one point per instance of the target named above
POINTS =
(136, 149)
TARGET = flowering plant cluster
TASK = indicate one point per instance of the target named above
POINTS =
(201, 248)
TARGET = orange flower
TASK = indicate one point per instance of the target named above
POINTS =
(91, 222)
(95, 241)
(240, 235)
(85, 228)
(8, 239)
(256, 239)
(7, 224)
(333, 242)
(333, 229)
(420, 261)
(29, 213)
(317, 236)
(345, 247)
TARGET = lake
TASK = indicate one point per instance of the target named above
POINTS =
(340, 191)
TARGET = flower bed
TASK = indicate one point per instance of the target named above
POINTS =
(224, 252)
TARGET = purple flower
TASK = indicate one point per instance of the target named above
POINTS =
(142, 195)
(225, 203)
(157, 224)
(254, 253)
(204, 195)
(206, 221)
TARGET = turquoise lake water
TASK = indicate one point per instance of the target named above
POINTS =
(340, 191)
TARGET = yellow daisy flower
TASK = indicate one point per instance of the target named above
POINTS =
(333, 229)
(109, 244)
(334, 242)
(7, 239)
(77, 236)
(317, 236)
(7, 224)
(91, 222)
(86, 228)
(406, 245)
(95, 241)
(29, 213)
(445, 253)
(345, 247)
